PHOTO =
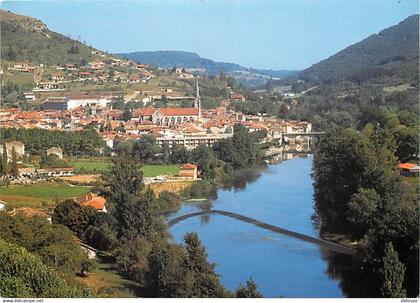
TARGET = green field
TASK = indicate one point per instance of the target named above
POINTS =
(39, 195)
(100, 165)
(156, 170)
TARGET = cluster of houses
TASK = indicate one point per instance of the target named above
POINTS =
(26, 174)
(97, 72)
(189, 127)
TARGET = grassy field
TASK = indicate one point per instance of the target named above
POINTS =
(39, 195)
(20, 79)
(156, 170)
(99, 165)
(105, 276)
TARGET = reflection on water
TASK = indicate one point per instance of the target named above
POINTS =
(242, 178)
(281, 195)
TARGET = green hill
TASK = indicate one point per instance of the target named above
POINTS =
(28, 39)
(393, 49)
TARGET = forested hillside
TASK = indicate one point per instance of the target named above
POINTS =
(28, 39)
(396, 45)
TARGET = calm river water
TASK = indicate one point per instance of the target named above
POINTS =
(282, 195)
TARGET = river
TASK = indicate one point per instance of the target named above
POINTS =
(281, 195)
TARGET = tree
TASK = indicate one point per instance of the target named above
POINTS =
(248, 291)
(168, 200)
(186, 103)
(240, 150)
(345, 161)
(5, 161)
(11, 54)
(25, 275)
(205, 160)
(167, 276)
(231, 82)
(180, 154)
(132, 209)
(362, 208)
(53, 243)
(14, 168)
(127, 115)
(51, 161)
(131, 258)
(1, 165)
(206, 281)
(166, 152)
(392, 274)
(123, 174)
(75, 216)
(145, 149)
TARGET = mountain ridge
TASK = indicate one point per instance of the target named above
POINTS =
(397, 43)
(193, 61)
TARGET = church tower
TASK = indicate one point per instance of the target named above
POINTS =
(197, 102)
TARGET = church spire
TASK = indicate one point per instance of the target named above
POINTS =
(197, 102)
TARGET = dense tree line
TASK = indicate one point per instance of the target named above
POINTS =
(53, 243)
(217, 162)
(24, 274)
(37, 141)
(359, 192)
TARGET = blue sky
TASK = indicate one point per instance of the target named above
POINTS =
(277, 34)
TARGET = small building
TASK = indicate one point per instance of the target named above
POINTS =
(29, 96)
(236, 97)
(55, 151)
(189, 171)
(93, 200)
(18, 146)
(96, 65)
(57, 77)
(409, 169)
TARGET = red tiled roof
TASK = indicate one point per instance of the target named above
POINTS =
(94, 201)
(148, 111)
(29, 115)
(189, 111)
(407, 165)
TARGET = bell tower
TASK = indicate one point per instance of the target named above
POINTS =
(197, 102)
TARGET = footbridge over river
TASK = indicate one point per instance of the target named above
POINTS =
(321, 242)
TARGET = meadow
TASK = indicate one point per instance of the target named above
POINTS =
(42, 195)
(98, 165)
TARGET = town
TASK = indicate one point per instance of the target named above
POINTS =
(200, 149)
(61, 109)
